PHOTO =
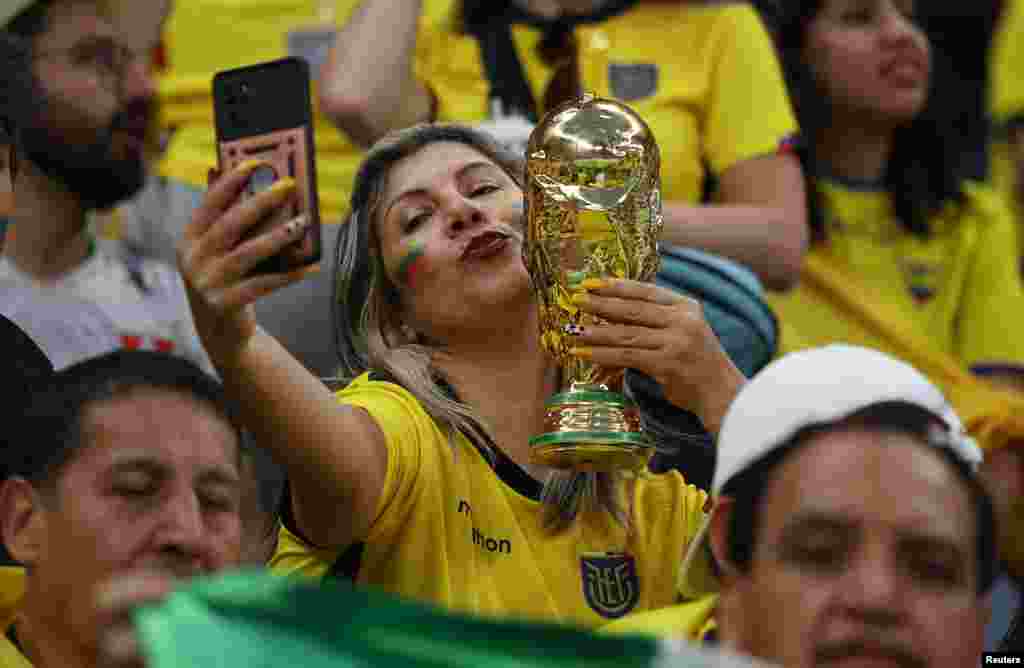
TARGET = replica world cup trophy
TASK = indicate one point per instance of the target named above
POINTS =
(593, 211)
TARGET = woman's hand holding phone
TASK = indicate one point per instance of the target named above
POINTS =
(218, 252)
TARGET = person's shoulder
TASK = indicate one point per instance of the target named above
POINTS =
(979, 206)
(381, 394)
(982, 198)
(653, 489)
(731, 12)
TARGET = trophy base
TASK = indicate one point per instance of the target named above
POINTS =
(592, 430)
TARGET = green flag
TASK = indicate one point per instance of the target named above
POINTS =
(256, 620)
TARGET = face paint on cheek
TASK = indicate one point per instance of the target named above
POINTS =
(412, 263)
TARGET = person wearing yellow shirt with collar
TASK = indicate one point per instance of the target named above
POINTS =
(903, 251)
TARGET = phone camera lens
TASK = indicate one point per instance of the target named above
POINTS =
(261, 179)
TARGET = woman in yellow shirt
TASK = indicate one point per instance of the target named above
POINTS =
(892, 226)
(905, 257)
(417, 477)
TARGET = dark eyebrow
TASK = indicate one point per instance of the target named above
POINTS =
(138, 462)
(468, 167)
(931, 543)
(219, 476)
(817, 521)
(148, 464)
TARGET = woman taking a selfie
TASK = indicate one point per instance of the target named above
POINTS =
(417, 477)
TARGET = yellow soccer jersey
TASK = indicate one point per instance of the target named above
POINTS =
(692, 620)
(1007, 63)
(960, 287)
(693, 72)
(1007, 102)
(453, 531)
(205, 36)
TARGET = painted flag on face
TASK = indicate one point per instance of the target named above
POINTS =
(412, 263)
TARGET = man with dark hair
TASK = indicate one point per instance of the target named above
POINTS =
(82, 150)
(849, 521)
(133, 469)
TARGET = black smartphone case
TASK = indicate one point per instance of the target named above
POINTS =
(264, 111)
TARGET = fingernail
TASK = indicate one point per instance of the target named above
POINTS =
(310, 270)
(296, 226)
(584, 353)
(249, 165)
(284, 185)
(593, 283)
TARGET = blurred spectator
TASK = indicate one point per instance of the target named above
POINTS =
(233, 34)
(130, 479)
(1007, 109)
(899, 237)
(421, 482)
(82, 150)
(729, 186)
(805, 520)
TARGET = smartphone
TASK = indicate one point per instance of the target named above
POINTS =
(265, 112)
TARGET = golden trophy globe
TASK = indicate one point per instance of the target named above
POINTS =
(593, 211)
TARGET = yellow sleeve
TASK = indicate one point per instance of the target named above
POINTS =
(295, 557)
(690, 620)
(991, 317)
(748, 113)
(698, 579)
(405, 426)
(448, 64)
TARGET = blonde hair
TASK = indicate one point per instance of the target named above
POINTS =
(371, 336)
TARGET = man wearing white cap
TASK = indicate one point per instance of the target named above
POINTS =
(849, 523)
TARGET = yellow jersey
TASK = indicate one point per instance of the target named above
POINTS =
(205, 36)
(959, 287)
(693, 71)
(692, 620)
(455, 531)
(1006, 102)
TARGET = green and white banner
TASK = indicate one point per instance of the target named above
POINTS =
(256, 620)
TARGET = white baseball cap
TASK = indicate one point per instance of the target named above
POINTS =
(822, 386)
(818, 387)
(11, 8)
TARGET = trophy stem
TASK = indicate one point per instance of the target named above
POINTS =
(590, 428)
